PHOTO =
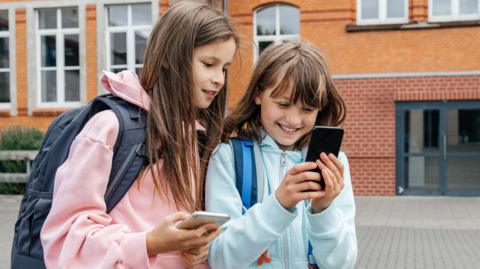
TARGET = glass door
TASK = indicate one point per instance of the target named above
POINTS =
(462, 150)
(438, 148)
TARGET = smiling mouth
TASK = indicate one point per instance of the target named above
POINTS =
(210, 93)
(287, 129)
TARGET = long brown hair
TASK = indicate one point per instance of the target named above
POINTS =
(167, 78)
(282, 65)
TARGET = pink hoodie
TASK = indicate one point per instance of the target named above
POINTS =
(78, 233)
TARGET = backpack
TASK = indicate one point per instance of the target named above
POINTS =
(128, 159)
(249, 183)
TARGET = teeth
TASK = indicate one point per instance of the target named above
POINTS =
(288, 129)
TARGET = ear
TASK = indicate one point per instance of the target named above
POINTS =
(258, 99)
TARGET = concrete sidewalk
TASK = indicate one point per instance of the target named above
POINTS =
(418, 232)
(393, 232)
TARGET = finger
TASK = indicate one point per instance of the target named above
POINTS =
(309, 195)
(327, 160)
(302, 167)
(176, 217)
(305, 176)
(337, 170)
(337, 163)
(329, 184)
(212, 235)
(307, 186)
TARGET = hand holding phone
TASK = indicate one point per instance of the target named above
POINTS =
(324, 139)
(199, 218)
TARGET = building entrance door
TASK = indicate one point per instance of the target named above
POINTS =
(438, 148)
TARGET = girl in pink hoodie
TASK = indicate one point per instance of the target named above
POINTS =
(183, 88)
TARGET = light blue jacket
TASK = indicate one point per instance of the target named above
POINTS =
(269, 225)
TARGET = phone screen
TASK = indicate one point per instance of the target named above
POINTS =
(324, 139)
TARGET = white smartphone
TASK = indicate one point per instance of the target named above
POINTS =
(199, 218)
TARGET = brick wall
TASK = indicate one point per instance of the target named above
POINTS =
(370, 125)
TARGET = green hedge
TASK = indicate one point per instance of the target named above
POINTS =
(17, 138)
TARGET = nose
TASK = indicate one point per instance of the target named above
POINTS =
(218, 78)
(294, 116)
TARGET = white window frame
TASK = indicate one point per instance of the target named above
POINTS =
(60, 67)
(382, 14)
(455, 13)
(11, 59)
(275, 38)
(130, 30)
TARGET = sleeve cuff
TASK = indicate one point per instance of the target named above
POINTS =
(324, 221)
(139, 257)
(276, 215)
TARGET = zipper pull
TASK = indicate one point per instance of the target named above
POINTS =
(283, 159)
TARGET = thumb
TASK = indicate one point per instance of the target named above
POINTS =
(176, 217)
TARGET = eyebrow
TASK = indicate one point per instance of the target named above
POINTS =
(216, 59)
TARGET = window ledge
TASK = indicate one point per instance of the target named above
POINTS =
(5, 112)
(411, 26)
(48, 112)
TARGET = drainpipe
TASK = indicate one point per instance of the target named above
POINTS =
(225, 7)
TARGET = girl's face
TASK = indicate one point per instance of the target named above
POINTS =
(285, 122)
(208, 68)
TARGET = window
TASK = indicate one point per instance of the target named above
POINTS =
(58, 47)
(274, 24)
(128, 27)
(450, 10)
(382, 11)
(4, 60)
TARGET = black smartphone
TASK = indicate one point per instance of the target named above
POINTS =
(324, 139)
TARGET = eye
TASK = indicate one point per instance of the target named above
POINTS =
(207, 64)
(308, 109)
(283, 104)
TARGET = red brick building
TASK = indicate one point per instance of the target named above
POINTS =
(409, 71)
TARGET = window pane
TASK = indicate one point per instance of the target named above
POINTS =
(395, 8)
(370, 9)
(48, 18)
(422, 172)
(69, 17)
(48, 47)
(266, 21)
(117, 15)
(138, 70)
(4, 87)
(3, 20)
(441, 7)
(118, 70)
(289, 20)
(71, 50)
(49, 86)
(72, 85)
(462, 173)
(262, 45)
(4, 53)
(141, 14)
(118, 43)
(468, 7)
(140, 41)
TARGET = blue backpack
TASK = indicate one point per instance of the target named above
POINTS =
(249, 181)
(128, 160)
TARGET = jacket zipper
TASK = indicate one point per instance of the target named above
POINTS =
(283, 163)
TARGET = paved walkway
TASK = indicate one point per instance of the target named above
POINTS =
(418, 232)
(393, 232)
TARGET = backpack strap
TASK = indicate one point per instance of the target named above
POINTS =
(245, 172)
(130, 154)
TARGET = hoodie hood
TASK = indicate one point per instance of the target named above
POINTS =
(126, 85)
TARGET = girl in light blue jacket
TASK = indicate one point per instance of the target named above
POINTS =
(289, 93)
